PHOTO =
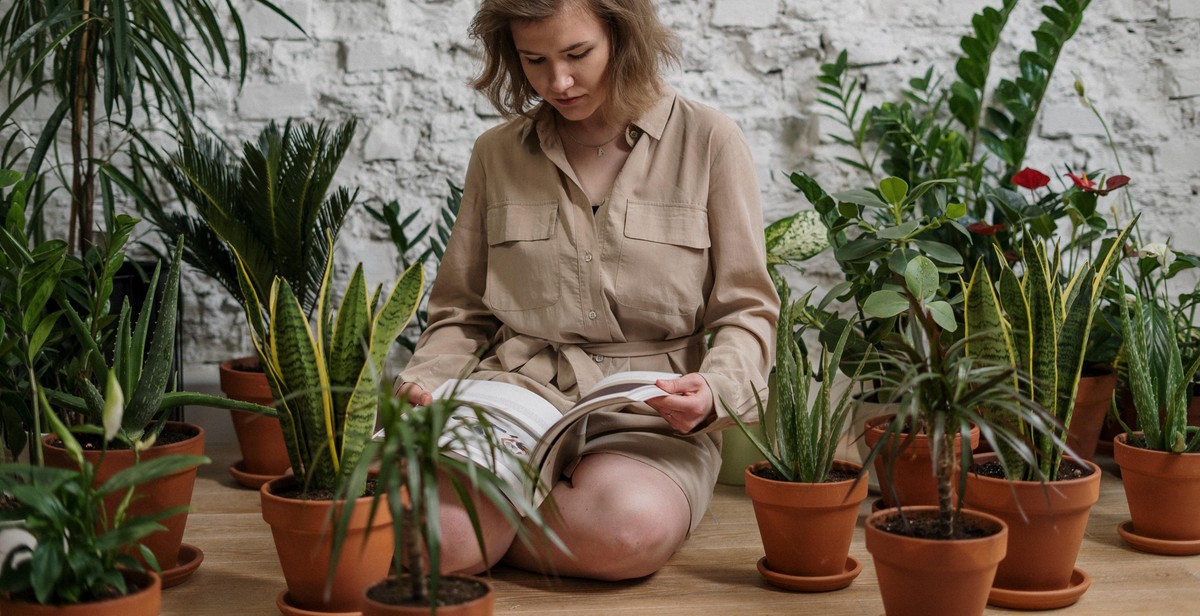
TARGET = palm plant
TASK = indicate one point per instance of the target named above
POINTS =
(325, 377)
(1041, 324)
(273, 207)
(115, 66)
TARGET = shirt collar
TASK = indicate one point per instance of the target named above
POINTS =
(653, 122)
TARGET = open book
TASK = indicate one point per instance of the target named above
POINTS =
(533, 430)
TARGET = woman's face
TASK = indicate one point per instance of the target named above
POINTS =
(565, 57)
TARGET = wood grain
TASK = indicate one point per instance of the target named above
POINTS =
(713, 574)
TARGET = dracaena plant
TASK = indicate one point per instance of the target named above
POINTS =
(325, 374)
(1039, 322)
(416, 452)
(81, 546)
(941, 391)
(801, 443)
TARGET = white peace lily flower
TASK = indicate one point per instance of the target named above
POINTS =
(114, 407)
(1160, 251)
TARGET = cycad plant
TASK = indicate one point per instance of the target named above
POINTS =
(325, 374)
(274, 207)
(1040, 323)
(114, 71)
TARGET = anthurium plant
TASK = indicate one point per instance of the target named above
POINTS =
(1040, 324)
(325, 375)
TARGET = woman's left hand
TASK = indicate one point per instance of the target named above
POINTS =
(689, 405)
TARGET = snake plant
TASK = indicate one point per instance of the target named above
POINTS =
(325, 375)
(1041, 326)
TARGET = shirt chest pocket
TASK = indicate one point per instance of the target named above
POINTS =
(523, 270)
(664, 257)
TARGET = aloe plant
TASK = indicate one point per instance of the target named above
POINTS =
(325, 376)
(1041, 325)
(801, 444)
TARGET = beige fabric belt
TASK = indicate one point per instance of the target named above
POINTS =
(573, 366)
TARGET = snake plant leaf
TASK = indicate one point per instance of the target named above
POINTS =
(397, 311)
(347, 349)
(305, 386)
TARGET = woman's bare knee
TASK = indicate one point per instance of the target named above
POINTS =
(460, 547)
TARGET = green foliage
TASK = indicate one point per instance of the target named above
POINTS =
(801, 444)
(325, 376)
(1039, 323)
(942, 391)
(101, 61)
(273, 207)
(1161, 385)
(81, 545)
(416, 451)
(419, 245)
(143, 371)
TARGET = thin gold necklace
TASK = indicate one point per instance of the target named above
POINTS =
(599, 148)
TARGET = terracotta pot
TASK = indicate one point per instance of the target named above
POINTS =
(912, 470)
(1162, 489)
(302, 540)
(145, 602)
(483, 606)
(150, 498)
(806, 527)
(928, 577)
(260, 438)
(1046, 523)
(1092, 401)
(865, 409)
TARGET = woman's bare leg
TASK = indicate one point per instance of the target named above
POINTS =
(620, 518)
(460, 549)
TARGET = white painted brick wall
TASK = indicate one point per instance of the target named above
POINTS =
(401, 67)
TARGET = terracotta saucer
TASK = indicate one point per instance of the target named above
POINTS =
(283, 602)
(820, 583)
(190, 558)
(1042, 599)
(248, 480)
(1166, 547)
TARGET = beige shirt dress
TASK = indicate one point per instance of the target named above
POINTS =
(669, 274)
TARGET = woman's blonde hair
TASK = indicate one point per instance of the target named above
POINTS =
(641, 48)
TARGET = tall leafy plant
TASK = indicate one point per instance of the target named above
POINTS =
(104, 63)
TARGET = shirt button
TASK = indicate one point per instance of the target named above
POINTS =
(598, 358)
(587, 256)
(592, 315)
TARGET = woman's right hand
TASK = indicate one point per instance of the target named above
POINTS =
(415, 394)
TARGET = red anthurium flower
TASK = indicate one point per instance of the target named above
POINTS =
(982, 228)
(1116, 182)
(1011, 256)
(1082, 182)
(1030, 178)
(1087, 185)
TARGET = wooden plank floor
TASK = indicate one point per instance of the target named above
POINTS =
(713, 574)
